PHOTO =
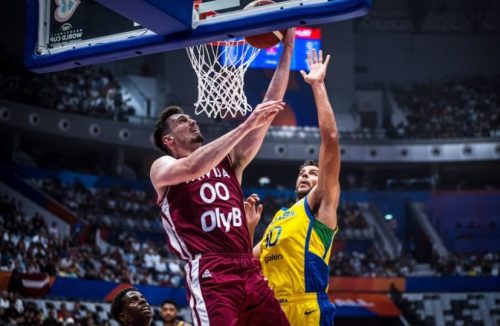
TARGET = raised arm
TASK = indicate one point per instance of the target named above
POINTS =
(167, 170)
(324, 198)
(248, 147)
(277, 87)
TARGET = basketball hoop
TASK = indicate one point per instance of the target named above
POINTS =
(220, 68)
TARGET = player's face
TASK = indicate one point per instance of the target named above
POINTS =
(308, 178)
(168, 312)
(184, 129)
(137, 309)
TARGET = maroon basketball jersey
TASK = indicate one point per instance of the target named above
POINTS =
(206, 214)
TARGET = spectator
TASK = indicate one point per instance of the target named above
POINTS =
(54, 230)
(64, 315)
(4, 300)
(51, 319)
(168, 314)
(16, 303)
(130, 308)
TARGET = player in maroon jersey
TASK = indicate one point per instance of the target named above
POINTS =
(199, 192)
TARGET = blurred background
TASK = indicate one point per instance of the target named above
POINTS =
(415, 87)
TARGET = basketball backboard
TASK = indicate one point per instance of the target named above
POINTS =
(63, 34)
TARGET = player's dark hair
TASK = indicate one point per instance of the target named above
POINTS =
(308, 163)
(117, 304)
(172, 302)
(162, 128)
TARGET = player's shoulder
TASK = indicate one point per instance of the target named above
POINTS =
(162, 161)
(284, 212)
(280, 212)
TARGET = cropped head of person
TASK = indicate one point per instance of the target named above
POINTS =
(307, 178)
(130, 308)
(176, 131)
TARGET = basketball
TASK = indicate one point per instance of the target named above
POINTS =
(266, 40)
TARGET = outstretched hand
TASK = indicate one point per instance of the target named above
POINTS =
(252, 211)
(264, 113)
(317, 68)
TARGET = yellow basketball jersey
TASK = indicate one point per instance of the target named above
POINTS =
(295, 251)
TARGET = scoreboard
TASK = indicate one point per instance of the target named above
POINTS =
(306, 38)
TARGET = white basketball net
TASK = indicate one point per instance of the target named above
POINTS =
(220, 68)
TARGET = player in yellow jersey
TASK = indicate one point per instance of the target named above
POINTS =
(296, 246)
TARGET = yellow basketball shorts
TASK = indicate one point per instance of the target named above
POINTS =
(308, 309)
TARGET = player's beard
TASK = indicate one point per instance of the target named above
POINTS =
(301, 194)
(197, 139)
(170, 319)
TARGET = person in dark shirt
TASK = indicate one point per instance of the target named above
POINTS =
(168, 314)
(130, 308)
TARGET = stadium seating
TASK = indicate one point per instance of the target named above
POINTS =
(89, 91)
(462, 107)
(443, 309)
